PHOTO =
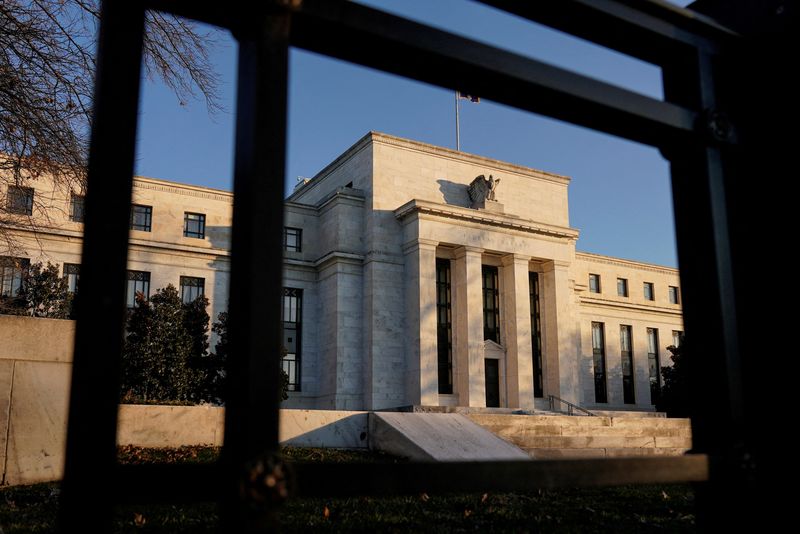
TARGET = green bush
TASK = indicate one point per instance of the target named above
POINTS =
(221, 353)
(164, 358)
(43, 293)
(675, 400)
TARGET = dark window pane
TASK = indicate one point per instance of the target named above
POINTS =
(194, 225)
(72, 272)
(673, 295)
(626, 349)
(12, 271)
(444, 328)
(191, 288)
(622, 287)
(138, 282)
(654, 365)
(19, 200)
(594, 283)
(599, 357)
(141, 217)
(77, 206)
(291, 317)
(536, 336)
(649, 293)
(292, 239)
(491, 301)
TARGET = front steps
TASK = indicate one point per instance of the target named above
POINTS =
(559, 436)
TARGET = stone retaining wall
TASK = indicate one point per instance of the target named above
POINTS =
(547, 436)
(35, 373)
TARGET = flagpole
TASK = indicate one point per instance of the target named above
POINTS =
(458, 138)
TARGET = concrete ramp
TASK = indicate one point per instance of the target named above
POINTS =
(437, 436)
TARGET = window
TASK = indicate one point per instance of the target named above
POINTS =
(77, 206)
(141, 217)
(599, 355)
(72, 272)
(594, 283)
(626, 351)
(191, 288)
(194, 225)
(673, 295)
(138, 282)
(649, 293)
(292, 239)
(677, 337)
(622, 287)
(12, 271)
(20, 200)
(536, 336)
(654, 363)
(491, 304)
(444, 325)
(291, 316)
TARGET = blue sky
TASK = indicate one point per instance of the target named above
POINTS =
(619, 195)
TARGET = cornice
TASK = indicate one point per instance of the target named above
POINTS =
(486, 218)
(606, 303)
(141, 182)
(319, 178)
(334, 256)
(621, 262)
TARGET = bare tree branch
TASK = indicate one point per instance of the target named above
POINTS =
(47, 66)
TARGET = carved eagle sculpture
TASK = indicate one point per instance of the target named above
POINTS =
(482, 189)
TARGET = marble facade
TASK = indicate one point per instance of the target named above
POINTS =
(374, 223)
(371, 229)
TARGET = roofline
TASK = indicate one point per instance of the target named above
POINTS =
(427, 148)
(602, 258)
(460, 155)
(181, 185)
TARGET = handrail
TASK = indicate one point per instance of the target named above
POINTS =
(571, 408)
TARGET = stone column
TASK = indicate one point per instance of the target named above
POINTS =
(560, 333)
(516, 320)
(468, 327)
(422, 381)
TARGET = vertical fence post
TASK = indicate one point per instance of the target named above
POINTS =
(700, 179)
(251, 418)
(91, 435)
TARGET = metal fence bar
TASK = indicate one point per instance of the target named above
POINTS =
(459, 477)
(187, 483)
(651, 31)
(376, 39)
(251, 416)
(703, 231)
(92, 421)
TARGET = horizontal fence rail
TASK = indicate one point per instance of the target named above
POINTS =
(187, 483)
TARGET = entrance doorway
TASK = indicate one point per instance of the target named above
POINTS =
(492, 373)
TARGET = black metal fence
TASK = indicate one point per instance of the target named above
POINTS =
(727, 91)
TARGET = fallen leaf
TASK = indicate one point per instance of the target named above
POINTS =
(326, 513)
(484, 497)
(467, 513)
(139, 520)
(664, 495)
(424, 497)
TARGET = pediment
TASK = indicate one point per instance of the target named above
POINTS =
(493, 350)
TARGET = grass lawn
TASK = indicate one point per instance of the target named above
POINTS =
(619, 509)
